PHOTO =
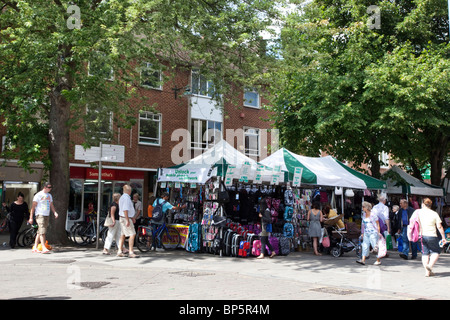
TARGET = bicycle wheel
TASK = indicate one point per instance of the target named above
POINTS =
(171, 238)
(144, 239)
(80, 234)
(29, 237)
(20, 237)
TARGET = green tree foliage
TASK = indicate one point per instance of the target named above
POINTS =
(62, 66)
(354, 89)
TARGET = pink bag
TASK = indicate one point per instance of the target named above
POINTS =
(381, 247)
(256, 248)
(326, 241)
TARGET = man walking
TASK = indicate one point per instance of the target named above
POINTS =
(405, 214)
(42, 205)
(127, 220)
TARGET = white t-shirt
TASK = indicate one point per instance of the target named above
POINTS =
(381, 210)
(125, 203)
(429, 221)
(43, 203)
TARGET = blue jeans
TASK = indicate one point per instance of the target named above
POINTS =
(406, 243)
(369, 239)
(156, 240)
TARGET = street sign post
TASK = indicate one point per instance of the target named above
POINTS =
(105, 152)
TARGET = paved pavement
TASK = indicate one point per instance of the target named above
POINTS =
(84, 273)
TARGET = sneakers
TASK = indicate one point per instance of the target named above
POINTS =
(160, 250)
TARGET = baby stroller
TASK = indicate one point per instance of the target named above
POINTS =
(341, 240)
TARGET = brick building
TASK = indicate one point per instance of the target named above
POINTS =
(192, 118)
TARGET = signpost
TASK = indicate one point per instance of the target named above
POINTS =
(105, 152)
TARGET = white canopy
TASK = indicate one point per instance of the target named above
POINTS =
(399, 182)
(213, 162)
(323, 171)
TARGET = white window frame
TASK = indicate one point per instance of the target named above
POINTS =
(148, 66)
(111, 78)
(153, 115)
(201, 79)
(110, 121)
(250, 152)
(204, 143)
(258, 99)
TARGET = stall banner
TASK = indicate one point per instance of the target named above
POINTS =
(259, 173)
(297, 177)
(245, 172)
(189, 175)
(276, 176)
(184, 231)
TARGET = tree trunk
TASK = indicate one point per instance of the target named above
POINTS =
(59, 172)
(59, 135)
(437, 156)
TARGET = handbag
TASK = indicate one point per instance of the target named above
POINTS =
(108, 221)
(326, 241)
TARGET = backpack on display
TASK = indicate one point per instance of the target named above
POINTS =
(244, 249)
(228, 241)
(157, 214)
(285, 246)
(288, 230)
(288, 213)
(235, 245)
(194, 238)
(256, 248)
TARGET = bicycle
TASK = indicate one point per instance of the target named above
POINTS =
(84, 233)
(27, 236)
(170, 237)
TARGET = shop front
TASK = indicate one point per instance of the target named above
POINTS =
(14, 179)
(84, 189)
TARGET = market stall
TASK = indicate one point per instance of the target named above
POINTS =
(399, 184)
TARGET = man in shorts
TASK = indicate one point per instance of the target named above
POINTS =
(42, 205)
(127, 220)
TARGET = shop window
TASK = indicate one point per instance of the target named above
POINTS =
(204, 133)
(75, 198)
(149, 128)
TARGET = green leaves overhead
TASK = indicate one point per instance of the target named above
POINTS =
(355, 90)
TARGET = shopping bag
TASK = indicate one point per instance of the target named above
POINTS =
(381, 247)
(389, 242)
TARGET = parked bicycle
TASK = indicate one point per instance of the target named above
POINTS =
(170, 236)
(27, 236)
(84, 233)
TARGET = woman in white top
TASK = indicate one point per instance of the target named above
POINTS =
(429, 221)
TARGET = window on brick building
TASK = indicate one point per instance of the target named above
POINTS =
(98, 66)
(251, 98)
(151, 78)
(99, 122)
(200, 85)
(204, 133)
(251, 139)
(149, 128)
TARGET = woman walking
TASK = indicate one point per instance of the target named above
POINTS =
(266, 219)
(315, 219)
(17, 212)
(114, 230)
(370, 231)
(429, 221)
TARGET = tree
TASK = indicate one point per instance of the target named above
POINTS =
(330, 96)
(63, 66)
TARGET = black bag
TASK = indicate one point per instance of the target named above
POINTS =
(157, 214)
(219, 221)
